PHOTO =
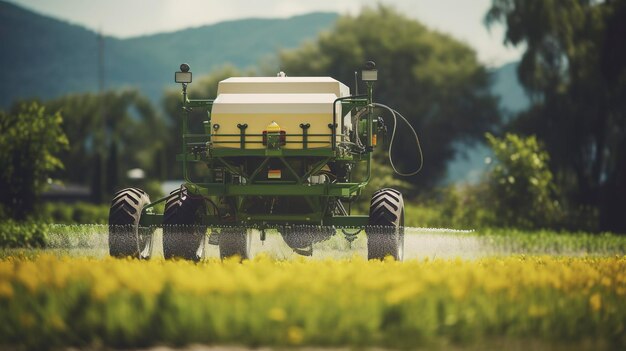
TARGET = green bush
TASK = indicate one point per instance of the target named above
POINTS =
(521, 191)
(77, 213)
(517, 192)
(153, 188)
(23, 234)
(456, 206)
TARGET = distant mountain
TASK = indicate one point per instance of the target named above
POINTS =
(45, 57)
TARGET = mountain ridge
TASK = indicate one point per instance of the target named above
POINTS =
(54, 57)
(45, 57)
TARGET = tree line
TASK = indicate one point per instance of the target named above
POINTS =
(574, 70)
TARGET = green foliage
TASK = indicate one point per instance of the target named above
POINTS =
(29, 234)
(518, 191)
(574, 68)
(29, 147)
(548, 242)
(153, 188)
(456, 206)
(521, 190)
(110, 134)
(432, 79)
(76, 213)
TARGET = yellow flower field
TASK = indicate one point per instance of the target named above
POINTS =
(51, 301)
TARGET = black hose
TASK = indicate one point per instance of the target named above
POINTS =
(393, 135)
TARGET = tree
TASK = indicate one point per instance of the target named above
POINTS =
(431, 78)
(29, 145)
(110, 133)
(574, 69)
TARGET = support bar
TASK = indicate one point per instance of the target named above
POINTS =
(242, 134)
(305, 131)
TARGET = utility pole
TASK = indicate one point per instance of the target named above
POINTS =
(97, 188)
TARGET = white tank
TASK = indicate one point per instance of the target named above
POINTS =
(288, 101)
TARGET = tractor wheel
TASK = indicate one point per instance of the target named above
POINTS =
(385, 233)
(183, 235)
(235, 241)
(126, 237)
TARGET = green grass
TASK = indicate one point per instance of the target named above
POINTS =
(552, 242)
(23, 234)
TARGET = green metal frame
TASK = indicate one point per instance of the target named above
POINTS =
(231, 160)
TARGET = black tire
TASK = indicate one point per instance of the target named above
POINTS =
(235, 241)
(385, 233)
(126, 237)
(183, 234)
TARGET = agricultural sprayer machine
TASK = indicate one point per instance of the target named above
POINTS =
(274, 153)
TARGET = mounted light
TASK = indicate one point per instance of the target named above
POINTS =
(184, 76)
(369, 73)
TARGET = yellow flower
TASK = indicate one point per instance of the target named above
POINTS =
(277, 314)
(295, 335)
(595, 301)
(537, 311)
(6, 290)
(403, 293)
(27, 275)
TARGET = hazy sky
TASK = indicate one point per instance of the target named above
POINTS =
(126, 18)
